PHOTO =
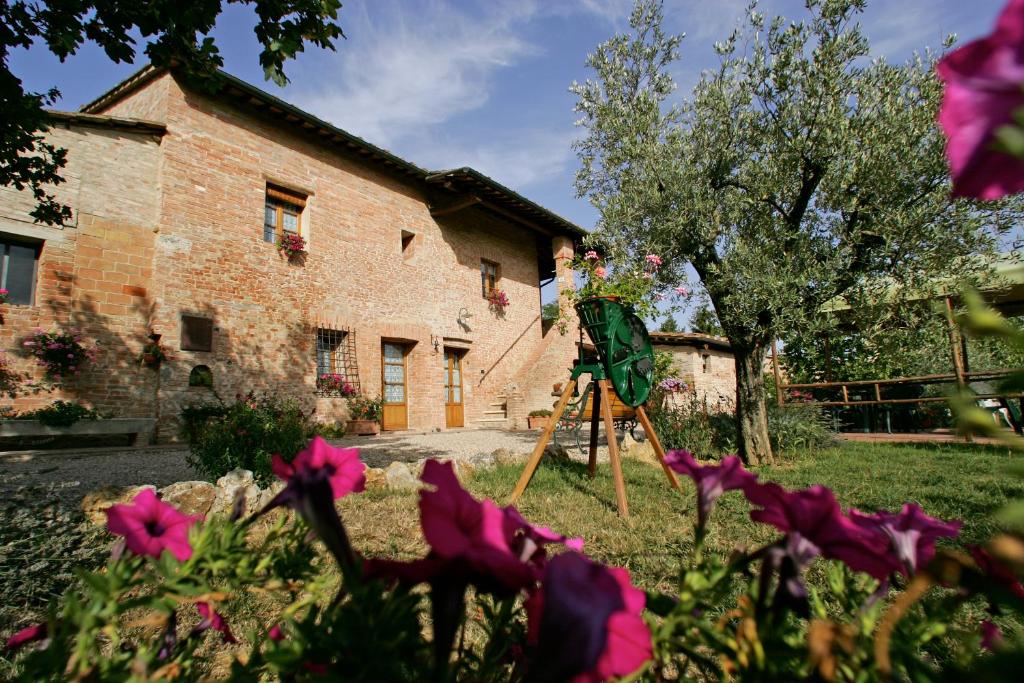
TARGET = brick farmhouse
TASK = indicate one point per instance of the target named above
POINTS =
(180, 196)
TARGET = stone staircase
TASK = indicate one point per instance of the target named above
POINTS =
(496, 414)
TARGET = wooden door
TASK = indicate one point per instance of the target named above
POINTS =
(394, 412)
(453, 411)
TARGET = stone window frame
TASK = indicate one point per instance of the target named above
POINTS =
(283, 200)
(488, 286)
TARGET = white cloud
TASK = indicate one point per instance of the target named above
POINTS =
(899, 28)
(518, 161)
(406, 68)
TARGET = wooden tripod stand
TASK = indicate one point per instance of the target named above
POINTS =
(602, 406)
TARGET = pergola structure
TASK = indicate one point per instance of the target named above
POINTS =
(1003, 290)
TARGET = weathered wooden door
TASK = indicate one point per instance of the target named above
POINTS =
(394, 412)
(453, 412)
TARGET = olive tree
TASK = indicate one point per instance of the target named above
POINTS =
(174, 31)
(798, 170)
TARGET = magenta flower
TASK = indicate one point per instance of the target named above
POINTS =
(991, 635)
(591, 255)
(150, 526)
(585, 623)
(342, 467)
(27, 635)
(275, 633)
(983, 89)
(711, 480)
(996, 570)
(911, 532)
(815, 516)
(213, 619)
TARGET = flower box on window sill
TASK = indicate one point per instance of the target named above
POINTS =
(291, 246)
(362, 427)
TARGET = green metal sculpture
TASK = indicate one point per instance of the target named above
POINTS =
(623, 346)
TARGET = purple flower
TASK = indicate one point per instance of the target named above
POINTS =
(213, 619)
(585, 623)
(815, 516)
(991, 635)
(983, 90)
(150, 526)
(27, 635)
(711, 480)
(911, 532)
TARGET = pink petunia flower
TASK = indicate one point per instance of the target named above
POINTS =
(815, 516)
(30, 634)
(342, 466)
(996, 570)
(911, 532)
(983, 89)
(213, 619)
(711, 480)
(150, 526)
(991, 635)
(275, 633)
(585, 623)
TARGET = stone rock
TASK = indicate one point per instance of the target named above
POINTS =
(231, 485)
(555, 452)
(643, 452)
(263, 498)
(375, 478)
(481, 460)
(503, 456)
(399, 476)
(464, 469)
(191, 497)
(95, 503)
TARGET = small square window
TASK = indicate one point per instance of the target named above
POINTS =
(488, 277)
(20, 261)
(282, 214)
(196, 333)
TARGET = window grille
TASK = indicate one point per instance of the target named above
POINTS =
(337, 373)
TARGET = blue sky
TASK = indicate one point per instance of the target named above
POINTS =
(447, 83)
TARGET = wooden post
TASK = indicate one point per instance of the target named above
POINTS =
(778, 375)
(954, 342)
(538, 450)
(641, 416)
(613, 448)
(595, 420)
(828, 358)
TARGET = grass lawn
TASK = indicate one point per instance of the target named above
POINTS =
(949, 481)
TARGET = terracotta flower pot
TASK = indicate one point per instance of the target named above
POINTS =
(537, 421)
(362, 427)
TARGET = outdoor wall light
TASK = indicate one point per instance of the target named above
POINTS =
(436, 342)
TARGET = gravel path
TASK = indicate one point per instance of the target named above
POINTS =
(75, 473)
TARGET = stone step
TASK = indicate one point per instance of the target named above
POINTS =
(492, 419)
(495, 412)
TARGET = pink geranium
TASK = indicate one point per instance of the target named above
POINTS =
(600, 272)
(213, 619)
(911, 532)
(341, 466)
(150, 526)
(682, 291)
(27, 635)
(653, 260)
(711, 480)
(585, 623)
(591, 255)
(814, 515)
(983, 90)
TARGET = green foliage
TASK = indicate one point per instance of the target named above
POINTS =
(669, 325)
(60, 414)
(246, 435)
(195, 417)
(175, 31)
(329, 430)
(549, 311)
(542, 412)
(361, 407)
(705, 321)
(797, 171)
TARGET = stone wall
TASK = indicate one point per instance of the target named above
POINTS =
(710, 372)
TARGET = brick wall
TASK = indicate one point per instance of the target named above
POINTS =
(93, 273)
(209, 259)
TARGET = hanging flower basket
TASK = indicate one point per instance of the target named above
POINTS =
(153, 354)
(497, 300)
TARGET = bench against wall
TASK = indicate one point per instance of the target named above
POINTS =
(142, 428)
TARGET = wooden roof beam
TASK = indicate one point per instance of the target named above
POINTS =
(457, 205)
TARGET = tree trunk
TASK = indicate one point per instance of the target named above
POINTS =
(751, 415)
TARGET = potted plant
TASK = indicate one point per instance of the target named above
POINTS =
(152, 353)
(332, 383)
(291, 245)
(497, 300)
(538, 419)
(363, 415)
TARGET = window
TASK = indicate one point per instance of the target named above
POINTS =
(18, 271)
(201, 376)
(283, 213)
(488, 277)
(196, 333)
(407, 242)
(336, 368)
